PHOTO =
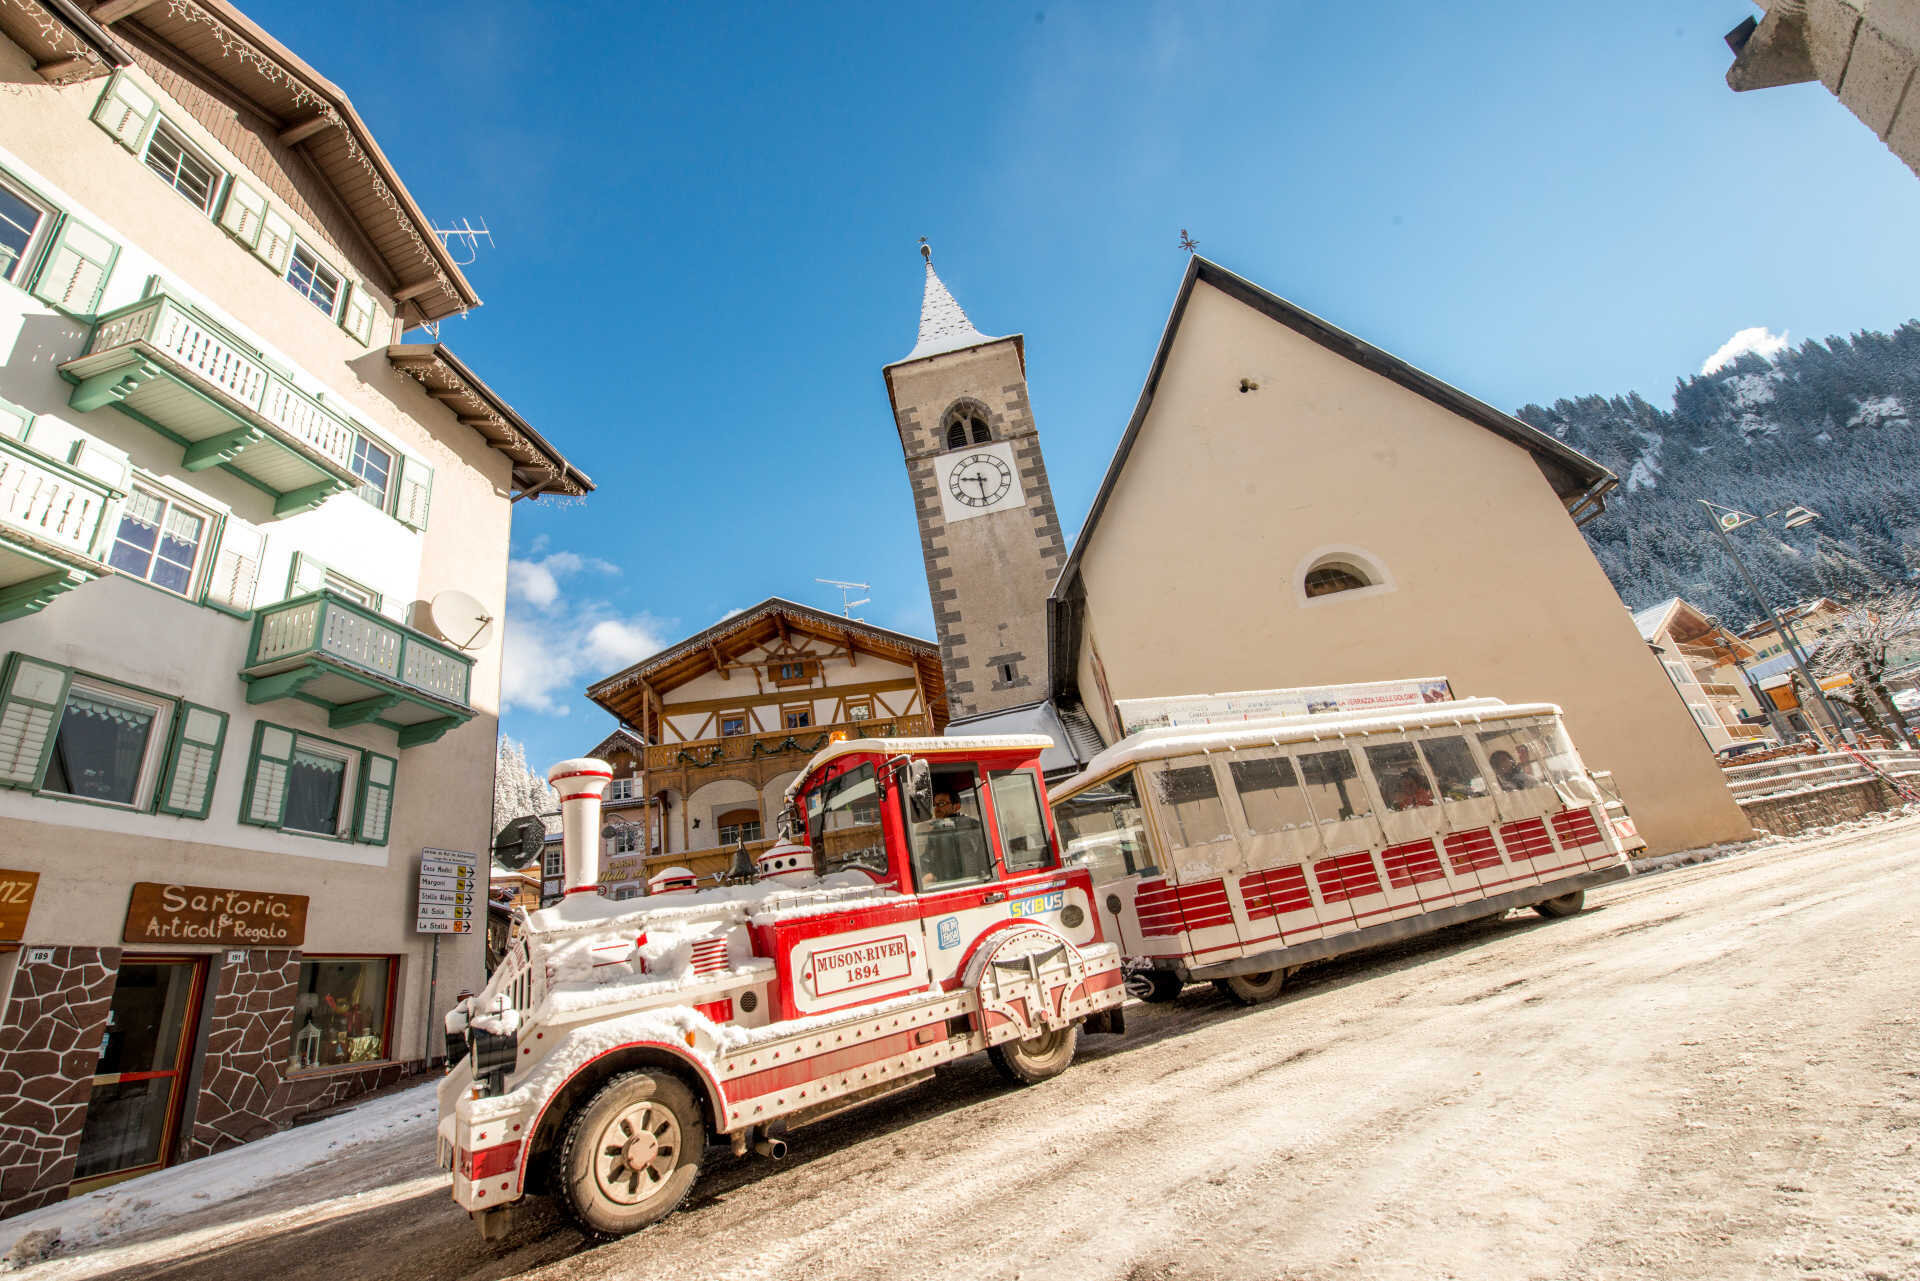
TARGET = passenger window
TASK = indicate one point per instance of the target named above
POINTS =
(1403, 783)
(1333, 787)
(1455, 773)
(1104, 830)
(1270, 794)
(951, 847)
(1193, 804)
(1023, 830)
(1523, 756)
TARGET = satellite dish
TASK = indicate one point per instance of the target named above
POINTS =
(464, 621)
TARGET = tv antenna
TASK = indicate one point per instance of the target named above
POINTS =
(847, 589)
(467, 237)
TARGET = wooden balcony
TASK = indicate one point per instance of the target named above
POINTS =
(56, 523)
(743, 748)
(328, 651)
(164, 364)
(1721, 691)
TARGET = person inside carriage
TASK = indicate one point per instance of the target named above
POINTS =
(951, 847)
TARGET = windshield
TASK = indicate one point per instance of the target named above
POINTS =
(843, 823)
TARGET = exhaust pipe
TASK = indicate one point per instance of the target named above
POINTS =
(775, 1148)
(580, 783)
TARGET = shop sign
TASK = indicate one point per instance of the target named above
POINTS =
(445, 895)
(16, 900)
(201, 914)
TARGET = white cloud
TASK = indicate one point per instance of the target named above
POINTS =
(1756, 340)
(560, 640)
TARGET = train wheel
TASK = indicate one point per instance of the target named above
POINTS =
(1040, 1056)
(631, 1153)
(1154, 986)
(1566, 905)
(1252, 989)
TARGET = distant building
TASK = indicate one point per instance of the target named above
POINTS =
(715, 727)
(1703, 660)
(629, 818)
(1808, 619)
(1864, 51)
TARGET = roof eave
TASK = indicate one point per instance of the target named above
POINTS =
(414, 359)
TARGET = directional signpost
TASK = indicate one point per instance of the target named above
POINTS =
(450, 896)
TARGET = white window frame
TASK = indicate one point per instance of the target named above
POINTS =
(357, 592)
(159, 735)
(553, 861)
(17, 272)
(1704, 716)
(626, 838)
(217, 176)
(1678, 673)
(621, 789)
(202, 551)
(362, 442)
(321, 264)
(353, 760)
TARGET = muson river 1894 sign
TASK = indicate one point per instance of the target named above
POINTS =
(199, 914)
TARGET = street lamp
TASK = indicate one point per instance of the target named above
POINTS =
(1728, 519)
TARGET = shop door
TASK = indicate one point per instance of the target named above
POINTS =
(139, 1086)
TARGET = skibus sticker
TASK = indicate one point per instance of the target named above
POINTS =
(1037, 904)
(950, 933)
(839, 969)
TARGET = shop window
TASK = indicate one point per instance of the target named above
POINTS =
(342, 1012)
(160, 540)
(1023, 831)
(1333, 787)
(1270, 793)
(738, 825)
(1455, 773)
(1193, 804)
(1404, 784)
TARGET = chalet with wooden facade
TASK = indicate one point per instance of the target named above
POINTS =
(716, 726)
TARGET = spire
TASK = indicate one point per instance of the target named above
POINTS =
(943, 326)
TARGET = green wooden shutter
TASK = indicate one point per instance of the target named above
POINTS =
(307, 575)
(376, 799)
(235, 579)
(31, 701)
(125, 110)
(275, 245)
(76, 269)
(414, 494)
(193, 762)
(266, 800)
(243, 213)
(357, 316)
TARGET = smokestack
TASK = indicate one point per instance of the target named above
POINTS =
(580, 783)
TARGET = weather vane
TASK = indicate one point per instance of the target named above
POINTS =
(926, 250)
(1187, 242)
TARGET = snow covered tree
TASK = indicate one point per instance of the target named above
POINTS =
(517, 790)
(1870, 637)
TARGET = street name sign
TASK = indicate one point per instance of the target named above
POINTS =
(446, 894)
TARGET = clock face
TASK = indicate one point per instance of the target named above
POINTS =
(979, 480)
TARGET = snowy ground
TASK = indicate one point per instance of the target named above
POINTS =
(1710, 1073)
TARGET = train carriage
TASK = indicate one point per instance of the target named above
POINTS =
(1236, 852)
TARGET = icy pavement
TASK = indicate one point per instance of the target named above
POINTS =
(169, 1196)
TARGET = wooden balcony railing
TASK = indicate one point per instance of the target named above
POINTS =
(1721, 691)
(52, 502)
(742, 748)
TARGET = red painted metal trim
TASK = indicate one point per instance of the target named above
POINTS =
(582, 773)
(584, 889)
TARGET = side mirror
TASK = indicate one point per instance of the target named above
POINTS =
(920, 789)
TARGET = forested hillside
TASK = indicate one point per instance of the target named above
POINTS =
(1829, 425)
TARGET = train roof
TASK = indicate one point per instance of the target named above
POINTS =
(1190, 740)
(952, 745)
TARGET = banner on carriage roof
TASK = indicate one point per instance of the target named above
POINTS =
(1309, 700)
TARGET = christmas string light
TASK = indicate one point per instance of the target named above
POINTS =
(519, 447)
(56, 34)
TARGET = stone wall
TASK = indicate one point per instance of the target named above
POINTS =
(49, 1045)
(242, 1095)
(1819, 807)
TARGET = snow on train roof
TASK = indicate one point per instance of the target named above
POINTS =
(922, 746)
(1158, 744)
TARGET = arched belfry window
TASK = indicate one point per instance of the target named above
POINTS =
(1337, 571)
(967, 423)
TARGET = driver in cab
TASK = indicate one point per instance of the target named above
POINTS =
(951, 845)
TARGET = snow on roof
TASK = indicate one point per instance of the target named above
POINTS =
(1649, 620)
(944, 327)
(1159, 744)
(921, 747)
(1043, 719)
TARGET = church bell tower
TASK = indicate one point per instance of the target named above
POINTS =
(988, 532)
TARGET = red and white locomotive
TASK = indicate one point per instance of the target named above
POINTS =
(927, 916)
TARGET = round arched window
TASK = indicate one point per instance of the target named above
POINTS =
(1333, 576)
(966, 423)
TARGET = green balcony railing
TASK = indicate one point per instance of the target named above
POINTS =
(326, 650)
(181, 373)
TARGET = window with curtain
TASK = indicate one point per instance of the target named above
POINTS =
(316, 785)
(159, 540)
(103, 746)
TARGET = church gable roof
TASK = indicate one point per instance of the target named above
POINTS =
(1579, 481)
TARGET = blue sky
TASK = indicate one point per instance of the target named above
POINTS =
(705, 220)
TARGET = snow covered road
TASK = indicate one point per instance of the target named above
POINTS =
(1713, 1072)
